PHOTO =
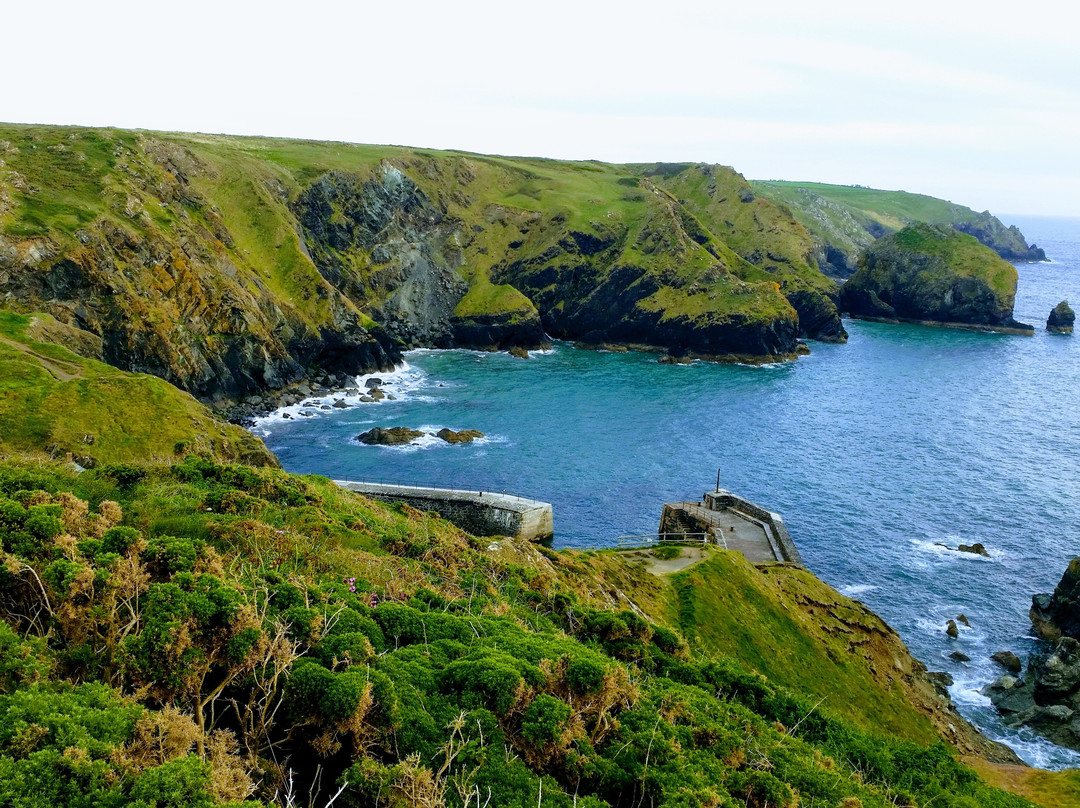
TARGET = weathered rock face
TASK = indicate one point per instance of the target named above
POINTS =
(392, 436)
(1008, 242)
(1058, 614)
(591, 297)
(1061, 319)
(169, 294)
(928, 273)
(818, 316)
(1048, 696)
(384, 243)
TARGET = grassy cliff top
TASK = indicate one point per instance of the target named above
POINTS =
(52, 399)
(961, 255)
(850, 217)
(237, 200)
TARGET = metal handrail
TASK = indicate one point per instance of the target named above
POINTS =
(649, 539)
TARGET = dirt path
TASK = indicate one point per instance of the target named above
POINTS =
(687, 557)
(61, 370)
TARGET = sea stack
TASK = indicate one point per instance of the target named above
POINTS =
(933, 274)
(1061, 319)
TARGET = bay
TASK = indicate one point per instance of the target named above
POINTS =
(877, 453)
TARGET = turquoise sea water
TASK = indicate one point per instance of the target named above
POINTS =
(876, 452)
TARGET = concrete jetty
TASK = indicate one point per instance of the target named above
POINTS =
(731, 522)
(482, 513)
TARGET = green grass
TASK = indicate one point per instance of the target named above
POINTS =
(797, 632)
(963, 255)
(56, 401)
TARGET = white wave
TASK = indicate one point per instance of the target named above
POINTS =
(403, 383)
(854, 590)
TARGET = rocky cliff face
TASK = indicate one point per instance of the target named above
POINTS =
(385, 244)
(929, 273)
(162, 284)
(1047, 697)
(230, 265)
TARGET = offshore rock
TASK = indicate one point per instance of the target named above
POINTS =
(392, 436)
(927, 273)
(1008, 660)
(1061, 319)
(464, 436)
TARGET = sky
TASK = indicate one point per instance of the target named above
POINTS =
(952, 99)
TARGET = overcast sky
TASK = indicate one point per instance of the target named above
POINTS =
(953, 99)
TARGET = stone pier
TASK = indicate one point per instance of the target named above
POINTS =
(482, 513)
(734, 523)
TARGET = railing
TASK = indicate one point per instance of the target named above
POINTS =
(649, 539)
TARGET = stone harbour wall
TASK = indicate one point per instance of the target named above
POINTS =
(482, 513)
(783, 545)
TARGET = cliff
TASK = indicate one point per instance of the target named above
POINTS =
(228, 265)
(929, 273)
(846, 219)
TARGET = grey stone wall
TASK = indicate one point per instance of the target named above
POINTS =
(481, 513)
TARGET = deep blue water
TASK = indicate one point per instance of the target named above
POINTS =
(876, 452)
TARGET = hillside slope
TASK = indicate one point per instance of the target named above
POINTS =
(56, 401)
(847, 219)
(227, 265)
(219, 634)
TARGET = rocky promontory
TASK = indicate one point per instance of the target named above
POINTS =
(933, 274)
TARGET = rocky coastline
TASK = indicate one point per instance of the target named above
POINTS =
(1046, 696)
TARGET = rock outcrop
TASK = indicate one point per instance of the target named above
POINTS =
(390, 436)
(933, 274)
(464, 436)
(1048, 696)
(1061, 319)
(1057, 614)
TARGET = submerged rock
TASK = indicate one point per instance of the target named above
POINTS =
(391, 436)
(519, 352)
(1061, 319)
(464, 436)
(935, 274)
(959, 656)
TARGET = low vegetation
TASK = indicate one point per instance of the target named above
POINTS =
(208, 634)
(54, 400)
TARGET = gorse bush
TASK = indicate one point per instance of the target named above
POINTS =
(205, 635)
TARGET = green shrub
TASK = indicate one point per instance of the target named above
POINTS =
(545, 720)
(584, 675)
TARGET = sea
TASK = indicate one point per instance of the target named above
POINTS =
(882, 455)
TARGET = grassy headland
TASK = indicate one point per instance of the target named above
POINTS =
(205, 634)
